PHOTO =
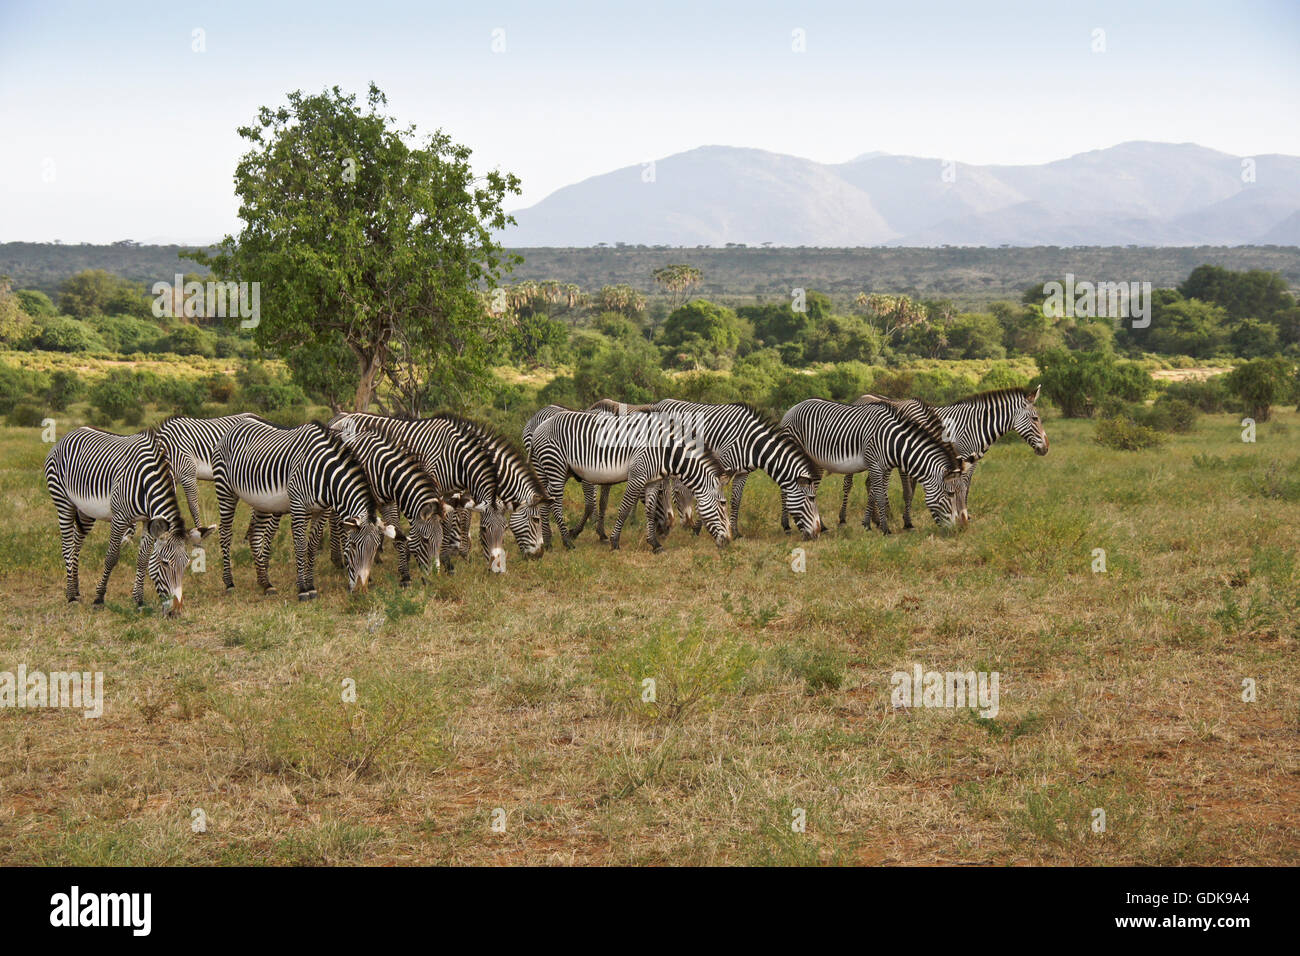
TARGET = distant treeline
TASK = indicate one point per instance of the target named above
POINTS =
(967, 276)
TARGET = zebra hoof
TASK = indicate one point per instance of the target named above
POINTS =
(405, 584)
(98, 602)
(306, 595)
(229, 588)
(613, 544)
(269, 589)
(659, 549)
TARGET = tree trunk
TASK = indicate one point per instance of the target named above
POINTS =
(370, 368)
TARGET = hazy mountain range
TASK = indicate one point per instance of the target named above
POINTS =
(1154, 194)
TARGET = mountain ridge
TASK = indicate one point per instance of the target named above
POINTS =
(1138, 192)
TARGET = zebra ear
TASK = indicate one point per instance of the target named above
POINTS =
(427, 511)
(352, 522)
(157, 528)
(1034, 397)
(389, 530)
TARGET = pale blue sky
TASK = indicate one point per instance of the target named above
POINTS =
(114, 128)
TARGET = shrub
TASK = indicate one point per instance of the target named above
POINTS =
(65, 387)
(60, 334)
(1170, 415)
(1124, 434)
(1259, 384)
(1080, 382)
(265, 390)
(25, 416)
(18, 385)
(1208, 395)
(116, 396)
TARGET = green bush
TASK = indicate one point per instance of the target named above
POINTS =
(61, 334)
(65, 387)
(1124, 434)
(1079, 383)
(265, 390)
(1261, 383)
(1209, 395)
(1170, 415)
(25, 416)
(116, 397)
(18, 386)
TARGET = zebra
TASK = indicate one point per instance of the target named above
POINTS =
(459, 462)
(877, 438)
(400, 483)
(743, 441)
(191, 445)
(301, 472)
(519, 489)
(974, 423)
(681, 497)
(600, 448)
(658, 462)
(94, 475)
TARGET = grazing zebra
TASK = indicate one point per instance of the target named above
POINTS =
(681, 497)
(742, 440)
(973, 425)
(459, 462)
(656, 463)
(877, 438)
(518, 488)
(94, 475)
(191, 445)
(600, 448)
(302, 472)
(400, 483)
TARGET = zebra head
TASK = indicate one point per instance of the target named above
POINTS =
(1027, 424)
(704, 476)
(361, 539)
(492, 535)
(526, 526)
(945, 492)
(428, 525)
(168, 558)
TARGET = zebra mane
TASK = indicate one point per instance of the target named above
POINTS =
(995, 393)
(497, 443)
(767, 420)
(926, 421)
(165, 465)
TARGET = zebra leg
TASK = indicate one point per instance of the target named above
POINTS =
(588, 509)
(909, 489)
(73, 529)
(737, 489)
(141, 563)
(116, 536)
(844, 500)
(879, 484)
(557, 512)
(301, 530)
(336, 541)
(261, 536)
(186, 471)
(624, 509)
(785, 520)
(226, 502)
(600, 513)
(651, 512)
(464, 517)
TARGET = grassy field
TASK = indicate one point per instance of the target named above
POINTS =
(499, 718)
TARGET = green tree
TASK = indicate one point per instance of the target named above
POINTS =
(1079, 382)
(701, 333)
(1262, 383)
(678, 279)
(360, 234)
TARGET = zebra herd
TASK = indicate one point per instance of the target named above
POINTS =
(362, 473)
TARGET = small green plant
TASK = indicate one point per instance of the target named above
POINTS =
(1124, 434)
(665, 675)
